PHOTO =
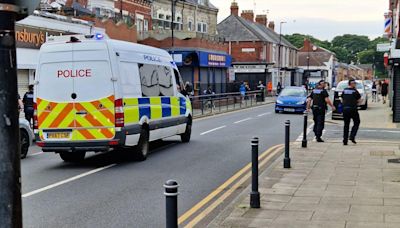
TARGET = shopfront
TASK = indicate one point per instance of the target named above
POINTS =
(252, 74)
(204, 69)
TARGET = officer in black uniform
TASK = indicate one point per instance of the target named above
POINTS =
(319, 98)
(350, 99)
(28, 104)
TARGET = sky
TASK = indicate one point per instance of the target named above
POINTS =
(323, 19)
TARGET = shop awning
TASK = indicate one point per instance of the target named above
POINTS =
(27, 58)
(201, 58)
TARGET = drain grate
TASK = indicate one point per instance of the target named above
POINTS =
(396, 160)
(382, 153)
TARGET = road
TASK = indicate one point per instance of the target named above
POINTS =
(125, 193)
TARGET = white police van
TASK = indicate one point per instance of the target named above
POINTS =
(96, 94)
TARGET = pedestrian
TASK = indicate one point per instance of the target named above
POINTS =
(278, 88)
(20, 103)
(261, 87)
(350, 100)
(319, 98)
(374, 92)
(242, 90)
(189, 89)
(28, 104)
(384, 91)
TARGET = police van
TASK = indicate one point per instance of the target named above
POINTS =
(96, 94)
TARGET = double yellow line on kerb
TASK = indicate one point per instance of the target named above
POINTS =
(264, 158)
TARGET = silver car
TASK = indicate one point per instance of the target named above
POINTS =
(26, 136)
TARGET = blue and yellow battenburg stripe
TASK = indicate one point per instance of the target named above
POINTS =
(154, 108)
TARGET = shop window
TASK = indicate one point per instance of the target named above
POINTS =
(156, 80)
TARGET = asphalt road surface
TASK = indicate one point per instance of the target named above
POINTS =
(112, 190)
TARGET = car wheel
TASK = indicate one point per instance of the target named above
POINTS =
(276, 111)
(24, 143)
(143, 146)
(185, 137)
(73, 157)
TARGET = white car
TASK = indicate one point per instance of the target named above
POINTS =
(360, 88)
(26, 136)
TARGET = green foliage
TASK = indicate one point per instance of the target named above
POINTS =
(348, 49)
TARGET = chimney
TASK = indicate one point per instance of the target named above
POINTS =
(234, 9)
(262, 19)
(307, 45)
(271, 25)
(248, 15)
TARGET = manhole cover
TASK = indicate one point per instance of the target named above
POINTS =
(397, 160)
(382, 153)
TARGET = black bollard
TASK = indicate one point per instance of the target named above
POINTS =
(171, 199)
(254, 194)
(304, 142)
(286, 160)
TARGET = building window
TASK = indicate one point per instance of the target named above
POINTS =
(190, 25)
(204, 28)
(146, 25)
(161, 16)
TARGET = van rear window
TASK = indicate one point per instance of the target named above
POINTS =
(156, 80)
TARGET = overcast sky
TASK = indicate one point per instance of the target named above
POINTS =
(323, 19)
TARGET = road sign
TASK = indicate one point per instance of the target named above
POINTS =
(383, 47)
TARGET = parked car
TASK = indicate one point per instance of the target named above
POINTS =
(292, 99)
(338, 113)
(26, 136)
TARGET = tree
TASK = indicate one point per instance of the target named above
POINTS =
(366, 57)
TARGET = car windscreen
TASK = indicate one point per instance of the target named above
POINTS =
(344, 85)
(293, 92)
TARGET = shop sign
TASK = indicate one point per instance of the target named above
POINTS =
(250, 68)
(34, 38)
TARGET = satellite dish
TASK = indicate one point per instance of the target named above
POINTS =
(26, 7)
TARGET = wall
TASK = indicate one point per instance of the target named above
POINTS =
(119, 31)
(192, 43)
(239, 56)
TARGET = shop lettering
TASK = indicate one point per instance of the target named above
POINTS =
(82, 73)
(36, 39)
(152, 58)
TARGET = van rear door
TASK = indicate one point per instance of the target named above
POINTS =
(75, 94)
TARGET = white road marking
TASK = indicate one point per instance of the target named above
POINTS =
(240, 121)
(309, 129)
(212, 130)
(379, 131)
(66, 181)
(264, 114)
(38, 153)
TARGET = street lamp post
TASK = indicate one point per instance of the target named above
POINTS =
(279, 50)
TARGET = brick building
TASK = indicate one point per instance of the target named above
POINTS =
(318, 63)
(254, 46)
(199, 52)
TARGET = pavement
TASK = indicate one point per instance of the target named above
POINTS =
(112, 190)
(329, 185)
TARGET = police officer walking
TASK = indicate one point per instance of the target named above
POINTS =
(319, 98)
(350, 99)
(28, 104)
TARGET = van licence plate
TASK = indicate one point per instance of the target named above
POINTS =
(289, 109)
(58, 135)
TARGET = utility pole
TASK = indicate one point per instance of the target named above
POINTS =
(10, 174)
(279, 51)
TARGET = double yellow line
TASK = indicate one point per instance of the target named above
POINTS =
(264, 158)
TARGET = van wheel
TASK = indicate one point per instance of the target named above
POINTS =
(185, 137)
(24, 142)
(143, 145)
(72, 156)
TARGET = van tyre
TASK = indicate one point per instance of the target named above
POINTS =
(24, 142)
(73, 156)
(185, 137)
(143, 146)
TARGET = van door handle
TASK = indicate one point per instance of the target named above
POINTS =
(81, 113)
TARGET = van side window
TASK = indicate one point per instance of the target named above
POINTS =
(156, 80)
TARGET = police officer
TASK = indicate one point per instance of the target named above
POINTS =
(319, 98)
(28, 104)
(350, 99)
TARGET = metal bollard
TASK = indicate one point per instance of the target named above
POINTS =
(304, 142)
(171, 199)
(254, 194)
(286, 160)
